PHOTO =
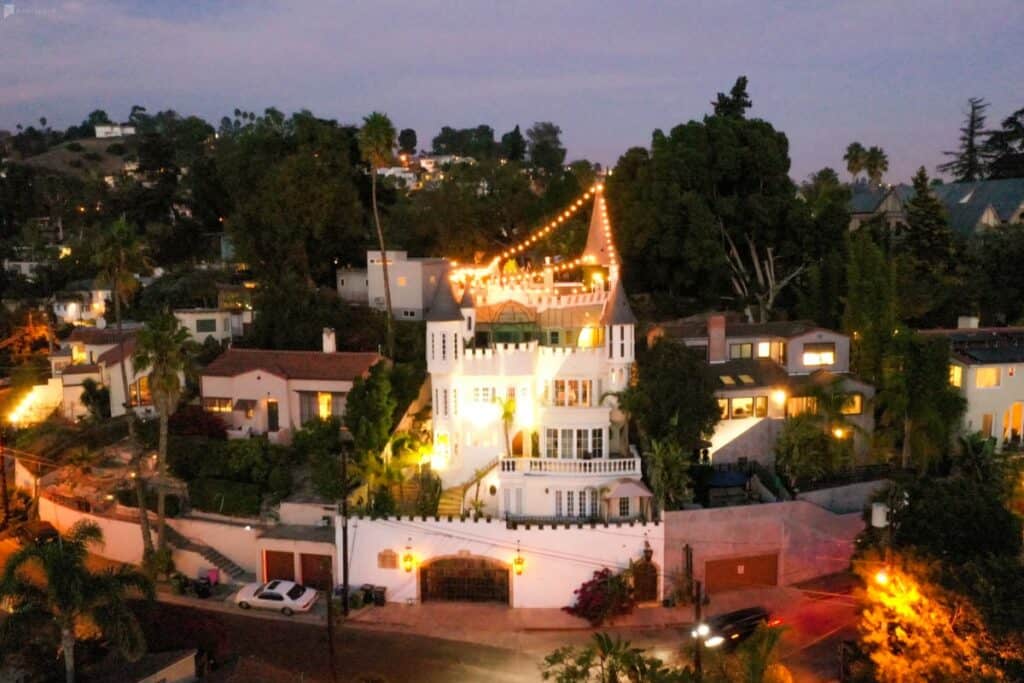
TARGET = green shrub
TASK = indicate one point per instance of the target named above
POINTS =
(225, 497)
(429, 497)
(75, 146)
(279, 482)
(117, 149)
(92, 156)
(383, 503)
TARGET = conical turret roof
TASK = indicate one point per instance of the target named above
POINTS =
(443, 308)
(467, 298)
(617, 310)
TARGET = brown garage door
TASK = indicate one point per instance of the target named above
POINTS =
(280, 565)
(316, 571)
(475, 579)
(741, 572)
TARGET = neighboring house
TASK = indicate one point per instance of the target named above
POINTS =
(432, 163)
(115, 130)
(403, 177)
(971, 206)
(83, 301)
(523, 379)
(209, 323)
(414, 282)
(987, 366)
(25, 269)
(97, 354)
(238, 300)
(764, 372)
(258, 391)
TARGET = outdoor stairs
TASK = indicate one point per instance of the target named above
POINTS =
(231, 570)
(451, 502)
(407, 492)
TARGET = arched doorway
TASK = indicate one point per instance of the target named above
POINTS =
(466, 577)
(517, 445)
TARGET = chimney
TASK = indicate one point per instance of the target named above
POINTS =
(329, 343)
(967, 322)
(716, 338)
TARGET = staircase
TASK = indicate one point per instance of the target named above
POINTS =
(235, 573)
(451, 502)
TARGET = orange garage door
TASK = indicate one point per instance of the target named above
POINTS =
(316, 571)
(741, 572)
(279, 565)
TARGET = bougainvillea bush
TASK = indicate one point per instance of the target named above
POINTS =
(605, 596)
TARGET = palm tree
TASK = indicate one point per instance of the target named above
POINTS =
(854, 158)
(876, 163)
(508, 416)
(163, 348)
(377, 145)
(119, 255)
(52, 591)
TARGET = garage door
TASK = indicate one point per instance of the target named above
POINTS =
(474, 579)
(279, 565)
(741, 572)
(317, 571)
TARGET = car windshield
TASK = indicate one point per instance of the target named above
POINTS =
(296, 592)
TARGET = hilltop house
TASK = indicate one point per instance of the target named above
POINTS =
(765, 372)
(523, 371)
(414, 282)
(986, 365)
(258, 391)
(82, 302)
(209, 323)
(972, 206)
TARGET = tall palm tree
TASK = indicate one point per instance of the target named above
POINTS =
(508, 416)
(119, 255)
(52, 592)
(377, 146)
(876, 163)
(854, 158)
(164, 349)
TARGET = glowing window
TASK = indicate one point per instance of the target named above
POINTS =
(741, 350)
(956, 375)
(986, 378)
(819, 354)
(742, 407)
(323, 405)
(217, 405)
(746, 379)
(723, 408)
(727, 380)
(853, 405)
(764, 349)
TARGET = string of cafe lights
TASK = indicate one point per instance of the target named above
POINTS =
(540, 234)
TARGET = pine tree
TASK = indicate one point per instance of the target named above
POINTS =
(736, 103)
(968, 163)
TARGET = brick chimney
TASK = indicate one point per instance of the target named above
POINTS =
(330, 346)
(716, 338)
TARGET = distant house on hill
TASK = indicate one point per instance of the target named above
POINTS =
(971, 206)
(115, 130)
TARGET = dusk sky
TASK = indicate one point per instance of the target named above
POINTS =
(894, 74)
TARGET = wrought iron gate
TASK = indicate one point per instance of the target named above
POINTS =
(473, 579)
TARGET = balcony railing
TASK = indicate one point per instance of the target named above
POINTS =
(570, 467)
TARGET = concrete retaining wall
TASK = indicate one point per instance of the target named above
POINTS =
(845, 499)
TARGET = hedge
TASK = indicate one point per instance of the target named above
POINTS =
(225, 497)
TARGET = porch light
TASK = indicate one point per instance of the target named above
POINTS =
(518, 564)
(839, 433)
(779, 397)
(408, 561)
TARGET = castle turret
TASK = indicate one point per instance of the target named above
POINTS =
(445, 326)
(619, 327)
(468, 309)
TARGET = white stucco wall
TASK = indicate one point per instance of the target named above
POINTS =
(994, 401)
(557, 560)
(234, 541)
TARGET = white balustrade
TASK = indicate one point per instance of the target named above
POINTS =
(557, 466)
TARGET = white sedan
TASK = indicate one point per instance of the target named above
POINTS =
(287, 597)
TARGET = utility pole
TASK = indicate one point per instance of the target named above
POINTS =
(330, 637)
(4, 500)
(344, 532)
(699, 645)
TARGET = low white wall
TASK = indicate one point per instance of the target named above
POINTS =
(844, 499)
(557, 560)
(122, 541)
(310, 514)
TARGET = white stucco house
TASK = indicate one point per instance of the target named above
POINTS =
(414, 282)
(257, 391)
(987, 366)
(765, 372)
(82, 302)
(209, 323)
(523, 372)
(114, 130)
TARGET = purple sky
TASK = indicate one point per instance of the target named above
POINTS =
(895, 74)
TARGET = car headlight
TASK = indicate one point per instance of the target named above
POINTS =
(714, 641)
(703, 630)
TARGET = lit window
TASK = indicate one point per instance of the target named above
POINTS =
(853, 405)
(986, 378)
(746, 379)
(819, 354)
(323, 405)
(623, 507)
(723, 408)
(741, 350)
(217, 405)
(764, 349)
(798, 405)
(761, 406)
(742, 407)
(727, 380)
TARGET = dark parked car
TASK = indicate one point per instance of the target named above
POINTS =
(732, 628)
(36, 532)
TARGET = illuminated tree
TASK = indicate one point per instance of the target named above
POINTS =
(913, 630)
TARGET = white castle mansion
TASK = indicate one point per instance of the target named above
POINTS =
(524, 370)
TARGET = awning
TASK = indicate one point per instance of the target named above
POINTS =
(245, 404)
(628, 488)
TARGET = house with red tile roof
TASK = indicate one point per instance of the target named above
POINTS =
(259, 391)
